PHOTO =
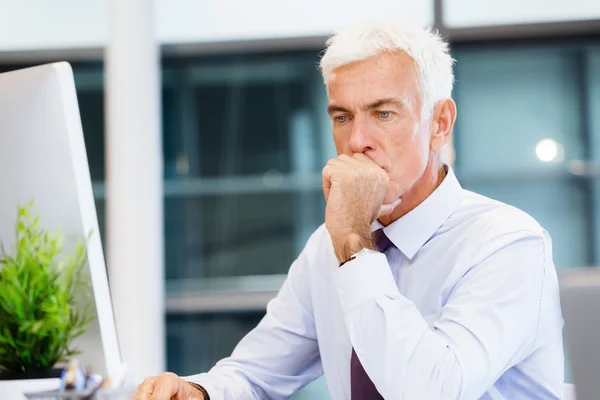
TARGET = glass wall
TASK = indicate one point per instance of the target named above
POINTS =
(528, 134)
(245, 138)
(242, 162)
(244, 141)
(525, 135)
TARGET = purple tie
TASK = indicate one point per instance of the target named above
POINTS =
(381, 241)
(361, 386)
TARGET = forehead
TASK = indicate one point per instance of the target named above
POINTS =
(386, 75)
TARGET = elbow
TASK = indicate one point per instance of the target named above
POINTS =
(441, 379)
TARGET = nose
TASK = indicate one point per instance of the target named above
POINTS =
(360, 138)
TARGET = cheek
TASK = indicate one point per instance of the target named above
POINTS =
(409, 160)
(417, 153)
(411, 149)
(422, 148)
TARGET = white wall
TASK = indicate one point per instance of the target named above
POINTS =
(215, 20)
(56, 24)
(471, 13)
(82, 24)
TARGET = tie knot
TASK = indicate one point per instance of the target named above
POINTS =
(381, 241)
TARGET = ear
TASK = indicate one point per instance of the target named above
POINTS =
(442, 123)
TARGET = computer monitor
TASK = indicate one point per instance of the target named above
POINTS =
(43, 157)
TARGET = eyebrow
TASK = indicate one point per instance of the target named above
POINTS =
(384, 102)
(333, 108)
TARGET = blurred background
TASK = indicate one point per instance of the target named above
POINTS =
(245, 132)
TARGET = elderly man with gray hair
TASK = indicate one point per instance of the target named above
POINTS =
(414, 288)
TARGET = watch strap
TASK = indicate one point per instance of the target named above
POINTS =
(201, 390)
(354, 256)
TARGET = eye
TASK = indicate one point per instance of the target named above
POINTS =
(341, 119)
(384, 114)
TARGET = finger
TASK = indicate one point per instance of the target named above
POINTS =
(336, 162)
(387, 209)
(145, 389)
(355, 161)
(166, 387)
(343, 161)
(363, 158)
(326, 176)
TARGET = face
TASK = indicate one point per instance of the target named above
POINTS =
(375, 106)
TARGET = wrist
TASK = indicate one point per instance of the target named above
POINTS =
(353, 243)
(200, 391)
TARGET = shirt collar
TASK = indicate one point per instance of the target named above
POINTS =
(410, 232)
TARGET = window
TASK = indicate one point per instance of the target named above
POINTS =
(523, 137)
(195, 342)
(244, 141)
(528, 134)
(244, 150)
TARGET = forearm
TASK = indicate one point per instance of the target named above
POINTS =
(257, 371)
(277, 357)
(402, 355)
(348, 244)
(488, 323)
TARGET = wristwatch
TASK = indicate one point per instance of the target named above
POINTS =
(362, 253)
(201, 390)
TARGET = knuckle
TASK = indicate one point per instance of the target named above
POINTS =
(380, 174)
(148, 381)
(328, 170)
(373, 174)
(169, 376)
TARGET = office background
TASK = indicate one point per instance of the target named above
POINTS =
(245, 133)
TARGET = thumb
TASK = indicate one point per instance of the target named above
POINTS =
(387, 209)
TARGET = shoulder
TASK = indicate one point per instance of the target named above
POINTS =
(491, 225)
(492, 218)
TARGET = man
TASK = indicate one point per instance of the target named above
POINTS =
(414, 288)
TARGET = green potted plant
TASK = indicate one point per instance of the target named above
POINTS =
(39, 317)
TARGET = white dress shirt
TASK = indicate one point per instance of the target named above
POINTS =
(465, 306)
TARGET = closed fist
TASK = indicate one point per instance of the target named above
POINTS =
(354, 188)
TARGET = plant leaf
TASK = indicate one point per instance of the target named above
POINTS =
(40, 313)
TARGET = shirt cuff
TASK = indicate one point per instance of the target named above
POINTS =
(364, 279)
